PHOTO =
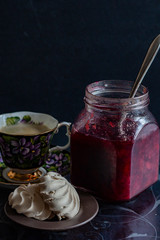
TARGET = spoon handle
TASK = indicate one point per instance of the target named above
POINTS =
(152, 52)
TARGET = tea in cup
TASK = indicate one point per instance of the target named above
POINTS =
(25, 139)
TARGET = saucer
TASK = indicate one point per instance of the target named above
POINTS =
(58, 161)
(88, 210)
(14, 177)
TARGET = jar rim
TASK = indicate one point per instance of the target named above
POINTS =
(95, 94)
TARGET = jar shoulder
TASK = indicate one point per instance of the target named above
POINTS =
(121, 126)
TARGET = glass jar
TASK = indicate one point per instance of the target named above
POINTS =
(115, 142)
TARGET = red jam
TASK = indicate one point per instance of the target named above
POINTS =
(115, 156)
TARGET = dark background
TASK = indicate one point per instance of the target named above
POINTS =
(51, 49)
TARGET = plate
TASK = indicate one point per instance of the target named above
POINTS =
(88, 210)
(58, 161)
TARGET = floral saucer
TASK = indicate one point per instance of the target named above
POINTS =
(58, 161)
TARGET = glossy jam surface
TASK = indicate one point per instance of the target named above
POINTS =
(115, 159)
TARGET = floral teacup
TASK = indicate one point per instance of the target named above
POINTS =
(25, 152)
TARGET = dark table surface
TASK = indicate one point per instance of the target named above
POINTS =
(138, 219)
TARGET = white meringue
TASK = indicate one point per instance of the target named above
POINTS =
(28, 201)
(59, 195)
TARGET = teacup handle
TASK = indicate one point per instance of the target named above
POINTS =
(68, 133)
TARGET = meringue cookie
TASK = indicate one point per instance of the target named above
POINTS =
(59, 195)
(28, 201)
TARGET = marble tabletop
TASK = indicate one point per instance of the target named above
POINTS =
(138, 219)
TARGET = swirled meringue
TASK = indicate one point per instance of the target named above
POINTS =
(28, 201)
(59, 195)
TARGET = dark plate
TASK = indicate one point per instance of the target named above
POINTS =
(88, 210)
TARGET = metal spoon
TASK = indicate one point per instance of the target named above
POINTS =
(152, 52)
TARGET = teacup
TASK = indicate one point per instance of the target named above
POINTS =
(25, 139)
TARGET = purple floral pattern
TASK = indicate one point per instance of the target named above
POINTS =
(21, 146)
(58, 161)
(5, 148)
(34, 151)
(25, 152)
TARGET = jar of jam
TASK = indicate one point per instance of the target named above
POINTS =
(115, 142)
